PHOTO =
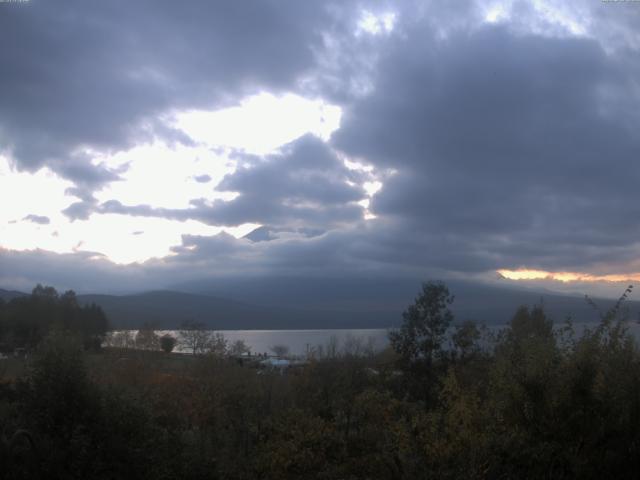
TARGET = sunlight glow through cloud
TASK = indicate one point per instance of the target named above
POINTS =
(376, 24)
(525, 274)
(561, 14)
(496, 13)
(166, 177)
(551, 17)
(123, 239)
(39, 193)
(261, 123)
(159, 176)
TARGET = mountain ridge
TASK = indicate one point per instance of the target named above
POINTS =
(281, 305)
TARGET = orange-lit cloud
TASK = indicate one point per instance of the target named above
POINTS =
(526, 274)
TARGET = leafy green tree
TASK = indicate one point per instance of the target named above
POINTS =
(81, 430)
(530, 323)
(422, 334)
(59, 397)
(465, 339)
(524, 386)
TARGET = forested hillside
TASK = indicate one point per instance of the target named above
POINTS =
(527, 402)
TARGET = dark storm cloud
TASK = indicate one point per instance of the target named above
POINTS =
(100, 75)
(386, 249)
(81, 271)
(510, 148)
(304, 185)
(511, 144)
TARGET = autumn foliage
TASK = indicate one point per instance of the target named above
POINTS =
(533, 400)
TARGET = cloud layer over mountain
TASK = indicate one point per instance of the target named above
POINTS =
(467, 139)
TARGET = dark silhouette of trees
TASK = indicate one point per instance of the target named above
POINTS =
(532, 401)
(422, 334)
(167, 343)
(465, 339)
(420, 340)
(196, 337)
(279, 351)
(238, 348)
(25, 321)
(18, 452)
(146, 338)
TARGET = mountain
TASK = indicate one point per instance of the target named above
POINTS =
(266, 233)
(7, 295)
(294, 303)
(383, 301)
(262, 234)
(168, 309)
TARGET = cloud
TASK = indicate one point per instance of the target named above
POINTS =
(103, 78)
(81, 210)
(305, 185)
(502, 140)
(513, 147)
(202, 178)
(39, 219)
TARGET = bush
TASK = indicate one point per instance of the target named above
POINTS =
(167, 343)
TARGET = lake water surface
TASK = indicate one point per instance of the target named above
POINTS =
(301, 342)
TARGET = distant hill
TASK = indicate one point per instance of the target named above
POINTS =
(288, 303)
(7, 295)
(383, 301)
(168, 309)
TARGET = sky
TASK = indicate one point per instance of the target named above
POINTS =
(151, 143)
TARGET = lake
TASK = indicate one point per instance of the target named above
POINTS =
(300, 342)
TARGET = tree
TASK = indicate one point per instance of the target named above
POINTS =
(279, 350)
(167, 343)
(238, 348)
(146, 339)
(217, 344)
(94, 327)
(30, 318)
(121, 339)
(420, 338)
(60, 396)
(195, 336)
(44, 293)
(465, 339)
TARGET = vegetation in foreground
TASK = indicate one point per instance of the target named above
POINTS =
(528, 402)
